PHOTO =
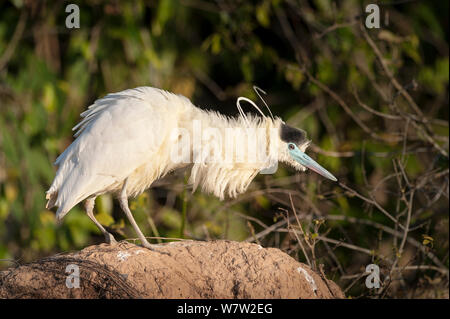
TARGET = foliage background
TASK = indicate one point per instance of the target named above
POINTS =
(374, 102)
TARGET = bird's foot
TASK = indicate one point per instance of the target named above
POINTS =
(154, 248)
(109, 239)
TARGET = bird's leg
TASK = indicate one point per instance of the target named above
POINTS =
(89, 206)
(123, 200)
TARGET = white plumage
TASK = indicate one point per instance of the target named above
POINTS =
(125, 140)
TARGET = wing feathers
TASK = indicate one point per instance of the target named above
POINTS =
(118, 134)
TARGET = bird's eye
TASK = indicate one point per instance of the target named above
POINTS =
(291, 146)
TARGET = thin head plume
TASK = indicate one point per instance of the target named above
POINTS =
(239, 107)
(257, 90)
(241, 98)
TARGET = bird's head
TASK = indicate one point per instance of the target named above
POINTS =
(292, 151)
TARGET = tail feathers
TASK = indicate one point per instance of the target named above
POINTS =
(65, 180)
(64, 203)
(62, 211)
(64, 206)
(52, 196)
(52, 199)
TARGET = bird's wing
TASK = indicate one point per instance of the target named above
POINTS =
(118, 134)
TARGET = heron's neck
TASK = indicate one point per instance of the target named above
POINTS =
(228, 152)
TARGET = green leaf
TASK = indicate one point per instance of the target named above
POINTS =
(263, 14)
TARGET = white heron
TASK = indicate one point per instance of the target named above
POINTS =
(125, 142)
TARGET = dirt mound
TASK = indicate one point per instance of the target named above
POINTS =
(190, 269)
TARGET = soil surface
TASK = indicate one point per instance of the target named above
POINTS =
(185, 269)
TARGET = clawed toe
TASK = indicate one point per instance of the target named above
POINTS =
(154, 248)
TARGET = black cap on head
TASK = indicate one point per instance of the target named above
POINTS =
(291, 134)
